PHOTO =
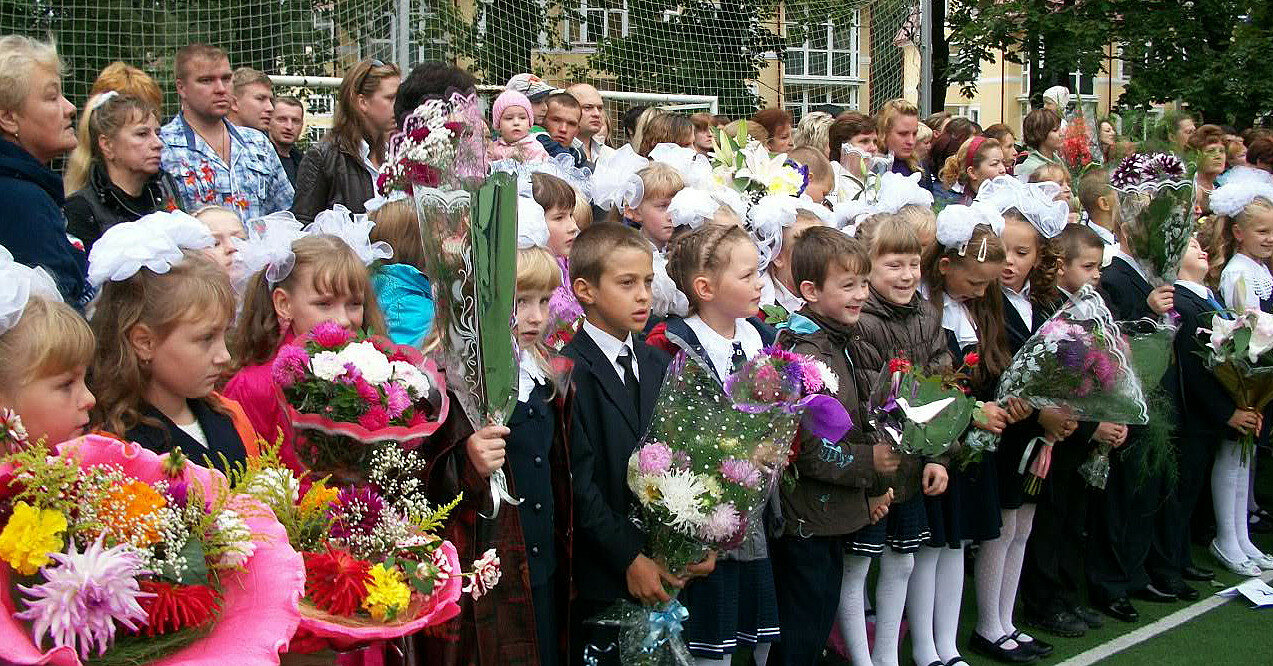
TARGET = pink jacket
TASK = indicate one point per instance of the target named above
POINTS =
(527, 150)
(253, 388)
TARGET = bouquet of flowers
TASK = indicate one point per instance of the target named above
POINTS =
(707, 465)
(113, 554)
(343, 391)
(745, 165)
(374, 569)
(1076, 147)
(1076, 361)
(1155, 204)
(924, 414)
(1241, 357)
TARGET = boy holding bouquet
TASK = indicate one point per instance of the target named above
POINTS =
(617, 379)
(828, 499)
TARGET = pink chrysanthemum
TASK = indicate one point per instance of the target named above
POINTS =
(742, 472)
(397, 399)
(375, 418)
(289, 365)
(811, 376)
(356, 510)
(330, 335)
(722, 524)
(82, 598)
(654, 458)
(367, 392)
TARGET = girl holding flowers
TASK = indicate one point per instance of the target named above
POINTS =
(45, 351)
(961, 275)
(160, 323)
(717, 268)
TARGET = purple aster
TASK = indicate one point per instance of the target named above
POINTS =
(654, 458)
(289, 365)
(397, 399)
(741, 472)
(356, 510)
(82, 598)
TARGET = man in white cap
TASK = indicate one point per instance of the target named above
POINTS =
(594, 118)
(537, 91)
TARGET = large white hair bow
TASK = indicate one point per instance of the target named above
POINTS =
(731, 197)
(695, 168)
(766, 222)
(268, 248)
(156, 241)
(956, 222)
(1035, 201)
(355, 230)
(532, 227)
(18, 283)
(896, 191)
(692, 207)
(562, 166)
(1240, 189)
(615, 184)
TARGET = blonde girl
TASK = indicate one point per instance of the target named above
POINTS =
(45, 352)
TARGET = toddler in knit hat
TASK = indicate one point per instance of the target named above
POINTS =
(511, 117)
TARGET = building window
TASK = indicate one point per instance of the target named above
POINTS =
(969, 111)
(823, 69)
(596, 20)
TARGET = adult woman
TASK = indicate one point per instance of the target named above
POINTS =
(778, 124)
(896, 131)
(1042, 129)
(1107, 137)
(126, 80)
(341, 169)
(1208, 143)
(124, 178)
(36, 125)
(957, 131)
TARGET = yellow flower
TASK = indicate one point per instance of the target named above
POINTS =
(30, 536)
(387, 594)
(713, 486)
(318, 497)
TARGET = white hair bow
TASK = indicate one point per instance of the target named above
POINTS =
(377, 202)
(956, 223)
(156, 241)
(18, 283)
(268, 248)
(355, 230)
(562, 166)
(766, 222)
(616, 183)
(896, 191)
(1035, 201)
(695, 169)
(1239, 190)
(692, 207)
(532, 227)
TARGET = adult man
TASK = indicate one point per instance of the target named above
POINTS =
(285, 127)
(251, 99)
(591, 122)
(213, 161)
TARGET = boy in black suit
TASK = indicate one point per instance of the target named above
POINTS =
(617, 379)
(1122, 520)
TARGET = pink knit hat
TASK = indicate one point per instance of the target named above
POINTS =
(510, 98)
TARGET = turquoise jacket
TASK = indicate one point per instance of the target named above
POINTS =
(406, 299)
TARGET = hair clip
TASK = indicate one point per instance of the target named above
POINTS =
(18, 283)
(102, 98)
(156, 241)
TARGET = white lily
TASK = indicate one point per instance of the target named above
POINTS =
(1261, 336)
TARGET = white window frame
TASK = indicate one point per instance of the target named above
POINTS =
(575, 28)
(970, 111)
(798, 97)
(804, 52)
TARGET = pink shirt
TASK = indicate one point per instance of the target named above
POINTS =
(527, 150)
(254, 389)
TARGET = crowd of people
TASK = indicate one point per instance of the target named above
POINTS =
(628, 253)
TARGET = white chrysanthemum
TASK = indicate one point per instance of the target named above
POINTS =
(681, 495)
(233, 532)
(370, 361)
(327, 365)
(829, 378)
(410, 376)
(275, 483)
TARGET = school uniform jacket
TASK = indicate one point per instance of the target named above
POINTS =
(226, 427)
(1202, 403)
(605, 430)
(1125, 291)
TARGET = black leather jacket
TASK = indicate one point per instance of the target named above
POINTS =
(101, 204)
(330, 176)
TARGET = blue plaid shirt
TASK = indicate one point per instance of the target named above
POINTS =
(254, 184)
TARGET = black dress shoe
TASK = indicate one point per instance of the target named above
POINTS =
(1151, 593)
(1198, 574)
(1260, 522)
(1179, 589)
(1121, 609)
(1018, 655)
(1088, 615)
(1060, 623)
(1040, 646)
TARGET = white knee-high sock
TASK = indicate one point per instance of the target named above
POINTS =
(920, 593)
(1224, 497)
(1012, 570)
(890, 603)
(1251, 505)
(761, 654)
(851, 614)
(950, 596)
(1241, 522)
(988, 577)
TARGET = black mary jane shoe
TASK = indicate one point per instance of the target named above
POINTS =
(1198, 574)
(956, 661)
(1040, 646)
(1018, 655)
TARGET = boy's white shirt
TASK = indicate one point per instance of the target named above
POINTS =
(720, 350)
(613, 347)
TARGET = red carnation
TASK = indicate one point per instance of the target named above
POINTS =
(454, 126)
(375, 418)
(367, 392)
(177, 607)
(336, 581)
(899, 365)
(971, 359)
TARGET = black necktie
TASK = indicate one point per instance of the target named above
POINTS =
(630, 379)
(738, 359)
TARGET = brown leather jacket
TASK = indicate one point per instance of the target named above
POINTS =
(888, 330)
(329, 176)
(829, 493)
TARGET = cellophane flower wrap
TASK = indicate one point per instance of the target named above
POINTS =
(374, 567)
(1241, 357)
(745, 165)
(707, 465)
(1155, 212)
(923, 414)
(1077, 361)
(113, 554)
(344, 391)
